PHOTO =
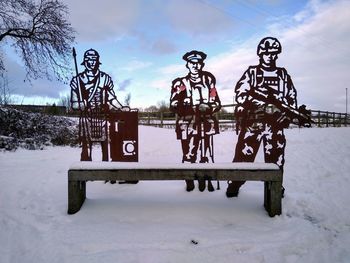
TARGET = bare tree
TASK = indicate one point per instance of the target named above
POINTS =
(64, 100)
(127, 99)
(39, 33)
(151, 108)
(5, 93)
(163, 106)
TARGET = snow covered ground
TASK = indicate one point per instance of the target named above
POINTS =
(161, 222)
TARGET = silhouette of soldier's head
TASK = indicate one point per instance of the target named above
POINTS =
(91, 60)
(268, 50)
(194, 61)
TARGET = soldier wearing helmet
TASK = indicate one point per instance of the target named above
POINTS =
(258, 120)
(93, 95)
(194, 98)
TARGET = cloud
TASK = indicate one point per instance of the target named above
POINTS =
(318, 56)
(101, 20)
(174, 69)
(197, 18)
(135, 64)
(124, 84)
(163, 46)
(162, 83)
(147, 42)
(315, 53)
(20, 86)
(113, 19)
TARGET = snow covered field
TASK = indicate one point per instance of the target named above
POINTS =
(157, 221)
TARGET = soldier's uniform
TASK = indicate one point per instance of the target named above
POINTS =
(92, 93)
(194, 98)
(258, 119)
(187, 94)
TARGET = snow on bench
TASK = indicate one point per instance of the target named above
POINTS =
(81, 172)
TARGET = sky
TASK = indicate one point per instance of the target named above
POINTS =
(141, 44)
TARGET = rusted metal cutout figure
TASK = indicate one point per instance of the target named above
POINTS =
(103, 119)
(266, 104)
(194, 99)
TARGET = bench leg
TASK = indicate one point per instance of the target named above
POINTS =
(76, 195)
(273, 198)
(266, 195)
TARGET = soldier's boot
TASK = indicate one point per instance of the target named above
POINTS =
(210, 186)
(189, 185)
(85, 154)
(204, 159)
(201, 185)
(233, 188)
(104, 148)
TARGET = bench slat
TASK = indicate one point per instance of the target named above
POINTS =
(174, 174)
(81, 172)
(178, 166)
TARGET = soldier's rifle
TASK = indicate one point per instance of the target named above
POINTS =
(299, 116)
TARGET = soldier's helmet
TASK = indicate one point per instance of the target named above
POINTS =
(91, 54)
(269, 45)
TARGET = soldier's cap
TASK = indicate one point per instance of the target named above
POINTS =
(269, 45)
(194, 56)
(91, 54)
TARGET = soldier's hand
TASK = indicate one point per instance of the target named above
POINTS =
(239, 111)
(203, 107)
(174, 105)
(187, 101)
(283, 120)
(125, 108)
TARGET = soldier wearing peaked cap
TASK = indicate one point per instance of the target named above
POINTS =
(194, 98)
(93, 95)
(195, 56)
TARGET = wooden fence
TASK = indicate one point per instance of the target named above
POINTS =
(227, 120)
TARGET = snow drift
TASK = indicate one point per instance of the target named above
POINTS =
(161, 222)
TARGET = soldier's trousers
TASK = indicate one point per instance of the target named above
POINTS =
(249, 141)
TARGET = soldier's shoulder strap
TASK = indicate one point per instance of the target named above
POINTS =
(255, 72)
(208, 78)
(105, 79)
(282, 73)
(177, 82)
(179, 85)
(187, 84)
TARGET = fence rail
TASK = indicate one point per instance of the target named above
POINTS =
(227, 120)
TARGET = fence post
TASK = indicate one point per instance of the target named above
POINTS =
(148, 118)
(319, 118)
(334, 124)
(326, 118)
(161, 119)
(346, 120)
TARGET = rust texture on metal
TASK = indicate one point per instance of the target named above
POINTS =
(103, 119)
(194, 98)
(266, 104)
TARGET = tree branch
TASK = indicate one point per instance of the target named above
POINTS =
(42, 36)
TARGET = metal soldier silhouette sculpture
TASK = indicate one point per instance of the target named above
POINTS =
(266, 104)
(194, 99)
(93, 96)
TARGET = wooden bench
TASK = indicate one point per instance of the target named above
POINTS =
(82, 172)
